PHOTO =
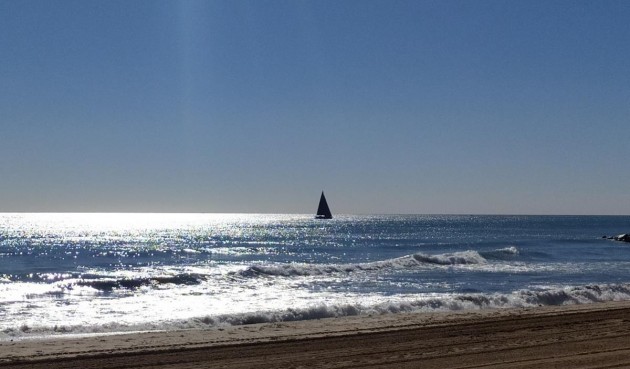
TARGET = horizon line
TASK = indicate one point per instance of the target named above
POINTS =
(292, 213)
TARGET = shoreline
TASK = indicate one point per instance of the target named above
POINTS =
(576, 336)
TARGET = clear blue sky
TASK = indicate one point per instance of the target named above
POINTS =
(256, 106)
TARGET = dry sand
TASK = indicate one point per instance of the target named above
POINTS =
(579, 336)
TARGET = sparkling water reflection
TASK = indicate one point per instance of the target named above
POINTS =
(73, 273)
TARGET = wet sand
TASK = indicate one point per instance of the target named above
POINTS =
(578, 336)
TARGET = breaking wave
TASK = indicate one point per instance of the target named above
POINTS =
(132, 283)
(59, 285)
(510, 250)
(465, 257)
(502, 254)
(408, 261)
(455, 302)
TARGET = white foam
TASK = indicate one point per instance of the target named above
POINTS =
(408, 303)
(408, 261)
(511, 250)
(464, 257)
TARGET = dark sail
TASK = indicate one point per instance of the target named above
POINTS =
(323, 211)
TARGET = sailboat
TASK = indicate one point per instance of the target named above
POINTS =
(323, 211)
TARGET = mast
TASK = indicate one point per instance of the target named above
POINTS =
(323, 211)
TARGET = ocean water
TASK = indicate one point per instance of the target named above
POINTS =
(66, 274)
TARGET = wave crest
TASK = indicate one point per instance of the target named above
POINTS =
(133, 283)
(465, 257)
(408, 261)
(510, 250)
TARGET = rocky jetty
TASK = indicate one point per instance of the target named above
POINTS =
(622, 237)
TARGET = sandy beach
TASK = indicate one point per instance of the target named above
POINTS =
(578, 336)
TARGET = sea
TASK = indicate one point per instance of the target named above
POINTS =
(84, 274)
